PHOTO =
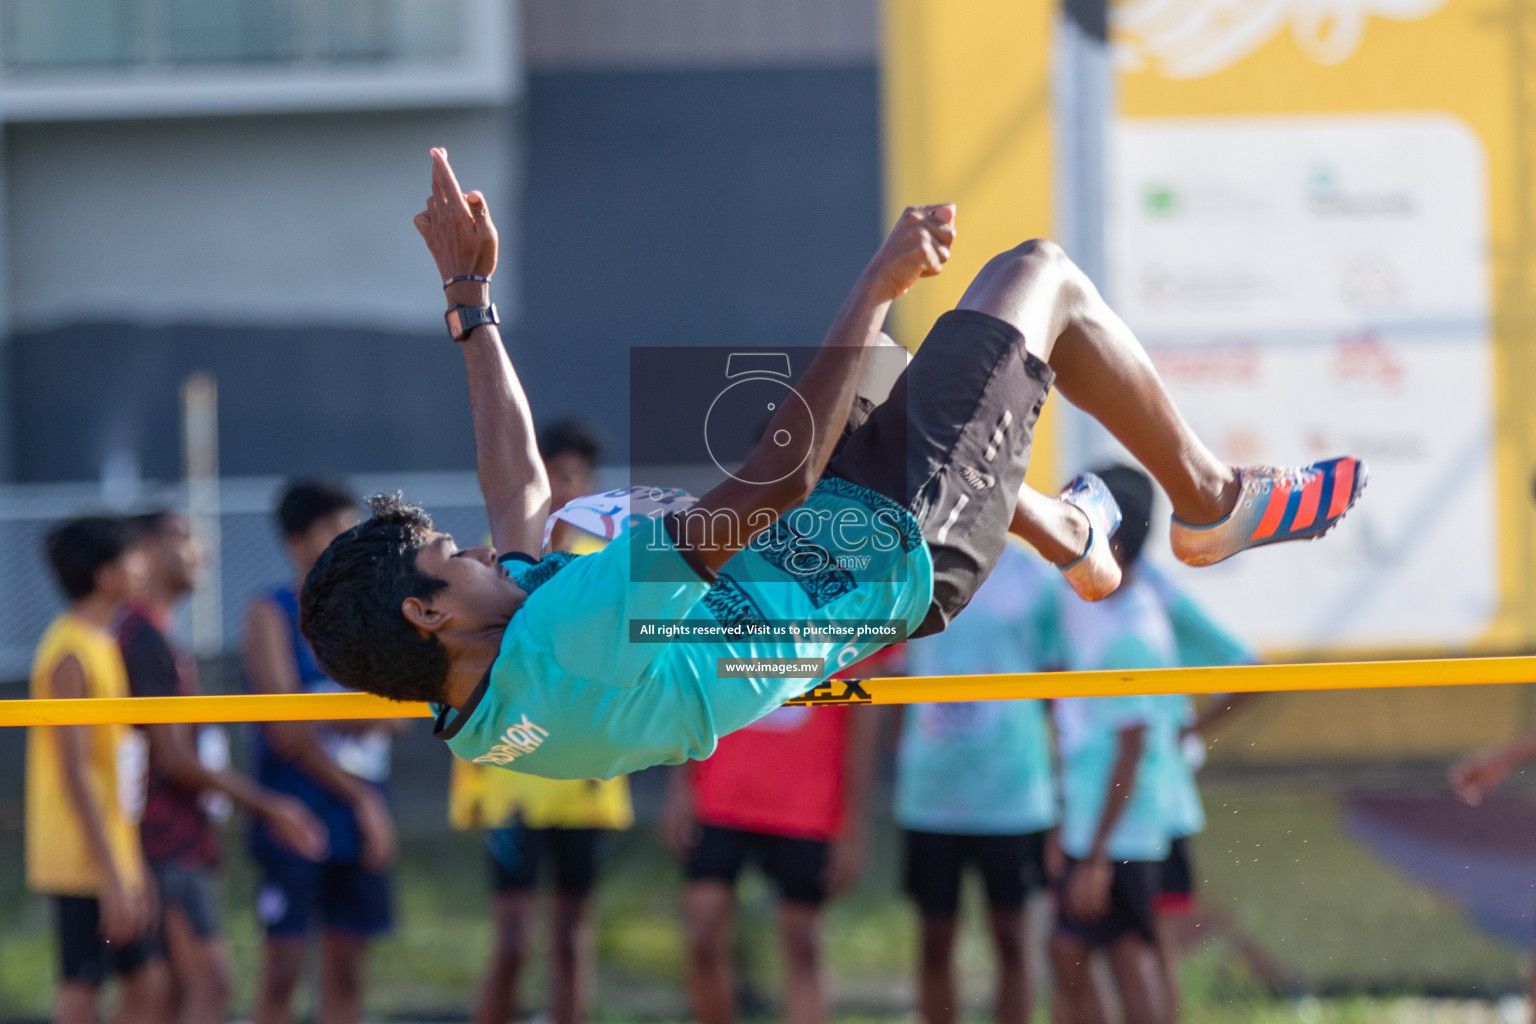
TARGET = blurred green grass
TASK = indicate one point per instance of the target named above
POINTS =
(1276, 859)
(1275, 865)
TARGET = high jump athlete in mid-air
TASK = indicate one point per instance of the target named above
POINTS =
(531, 662)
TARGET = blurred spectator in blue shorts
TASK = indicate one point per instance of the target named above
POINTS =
(337, 770)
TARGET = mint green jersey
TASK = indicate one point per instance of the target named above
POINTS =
(1200, 641)
(1183, 814)
(984, 767)
(1129, 629)
(579, 692)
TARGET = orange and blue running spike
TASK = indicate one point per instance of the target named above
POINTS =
(1275, 505)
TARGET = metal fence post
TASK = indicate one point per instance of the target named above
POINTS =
(200, 445)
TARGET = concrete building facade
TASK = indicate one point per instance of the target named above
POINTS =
(228, 185)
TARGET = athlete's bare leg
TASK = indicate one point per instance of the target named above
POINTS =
(1103, 370)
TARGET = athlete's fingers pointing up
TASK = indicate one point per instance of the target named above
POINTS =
(444, 184)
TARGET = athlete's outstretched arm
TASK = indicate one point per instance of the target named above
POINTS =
(462, 238)
(917, 246)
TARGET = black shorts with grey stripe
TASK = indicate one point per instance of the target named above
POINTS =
(951, 443)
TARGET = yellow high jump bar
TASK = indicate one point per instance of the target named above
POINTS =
(895, 690)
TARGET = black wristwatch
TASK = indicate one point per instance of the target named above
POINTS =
(463, 319)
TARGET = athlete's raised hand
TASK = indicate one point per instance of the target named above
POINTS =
(457, 227)
(462, 238)
(918, 246)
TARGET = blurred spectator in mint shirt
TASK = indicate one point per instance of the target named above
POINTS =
(974, 783)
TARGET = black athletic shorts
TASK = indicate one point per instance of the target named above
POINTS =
(1176, 882)
(1010, 866)
(517, 851)
(343, 895)
(951, 443)
(797, 867)
(1130, 905)
(194, 892)
(87, 958)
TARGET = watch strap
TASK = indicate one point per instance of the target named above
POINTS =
(463, 319)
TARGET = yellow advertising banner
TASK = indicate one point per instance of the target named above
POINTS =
(1321, 226)
(1321, 221)
(967, 96)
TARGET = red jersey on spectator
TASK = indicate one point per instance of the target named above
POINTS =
(175, 828)
(781, 775)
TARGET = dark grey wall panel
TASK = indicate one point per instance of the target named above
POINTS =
(688, 208)
(289, 401)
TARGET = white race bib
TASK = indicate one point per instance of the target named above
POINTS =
(610, 513)
(132, 775)
(365, 755)
(1192, 747)
(213, 754)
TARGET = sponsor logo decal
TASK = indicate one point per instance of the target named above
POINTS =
(835, 691)
(523, 738)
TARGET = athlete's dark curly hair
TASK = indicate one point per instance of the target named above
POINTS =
(349, 609)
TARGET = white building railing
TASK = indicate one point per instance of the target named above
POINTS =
(91, 59)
